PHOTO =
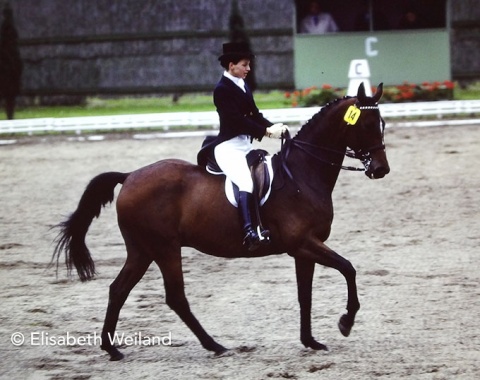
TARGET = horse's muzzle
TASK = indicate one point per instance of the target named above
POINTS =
(377, 166)
(377, 170)
(378, 173)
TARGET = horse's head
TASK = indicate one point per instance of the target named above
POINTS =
(365, 130)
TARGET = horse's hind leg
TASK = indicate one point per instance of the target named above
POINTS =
(171, 267)
(135, 267)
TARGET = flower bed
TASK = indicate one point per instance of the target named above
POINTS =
(411, 92)
(406, 92)
(313, 96)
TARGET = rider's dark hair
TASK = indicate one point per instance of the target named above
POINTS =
(226, 60)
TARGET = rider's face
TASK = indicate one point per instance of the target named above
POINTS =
(240, 69)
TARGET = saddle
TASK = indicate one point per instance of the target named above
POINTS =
(260, 168)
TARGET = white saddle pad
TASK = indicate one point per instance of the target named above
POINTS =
(230, 193)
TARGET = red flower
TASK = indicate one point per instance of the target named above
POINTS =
(407, 94)
(449, 84)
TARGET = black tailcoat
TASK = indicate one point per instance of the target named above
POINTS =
(238, 115)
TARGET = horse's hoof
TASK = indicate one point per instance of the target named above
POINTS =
(317, 346)
(314, 345)
(224, 353)
(345, 325)
(220, 350)
(115, 355)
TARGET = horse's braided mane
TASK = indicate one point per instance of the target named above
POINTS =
(320, 115)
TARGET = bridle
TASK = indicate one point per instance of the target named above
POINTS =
(363, 155)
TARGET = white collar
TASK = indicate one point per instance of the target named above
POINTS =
(238, 81)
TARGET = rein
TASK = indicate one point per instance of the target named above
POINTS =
(364, 155)
(288, 143)
(302, 145)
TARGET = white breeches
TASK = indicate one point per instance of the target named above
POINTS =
(231, 157)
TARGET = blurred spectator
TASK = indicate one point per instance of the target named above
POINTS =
(10, 62)
(350, 15)
(410, 20)
(387, 14)
(317, 22)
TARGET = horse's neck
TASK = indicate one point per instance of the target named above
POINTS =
(326, 128)
(324, 138)
(319, 169)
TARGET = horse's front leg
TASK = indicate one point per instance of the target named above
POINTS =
(318, 252)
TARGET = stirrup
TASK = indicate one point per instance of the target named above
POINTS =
(263, 235)
(251, 240)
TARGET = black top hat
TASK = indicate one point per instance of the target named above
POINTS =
(236, 50)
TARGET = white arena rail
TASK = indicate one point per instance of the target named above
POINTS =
(169, 120)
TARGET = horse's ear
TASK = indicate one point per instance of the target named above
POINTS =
(361, 93)
(378, 93)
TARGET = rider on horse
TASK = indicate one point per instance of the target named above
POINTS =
(240, 123)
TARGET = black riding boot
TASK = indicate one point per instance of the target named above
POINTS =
(251, 239)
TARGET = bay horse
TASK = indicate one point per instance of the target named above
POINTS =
(172, 204)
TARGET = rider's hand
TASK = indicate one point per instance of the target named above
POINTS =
(276, 131)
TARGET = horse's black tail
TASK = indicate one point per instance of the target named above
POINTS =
(71, 238)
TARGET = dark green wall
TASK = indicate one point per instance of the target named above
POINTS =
(91, 47)
(147, 46)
